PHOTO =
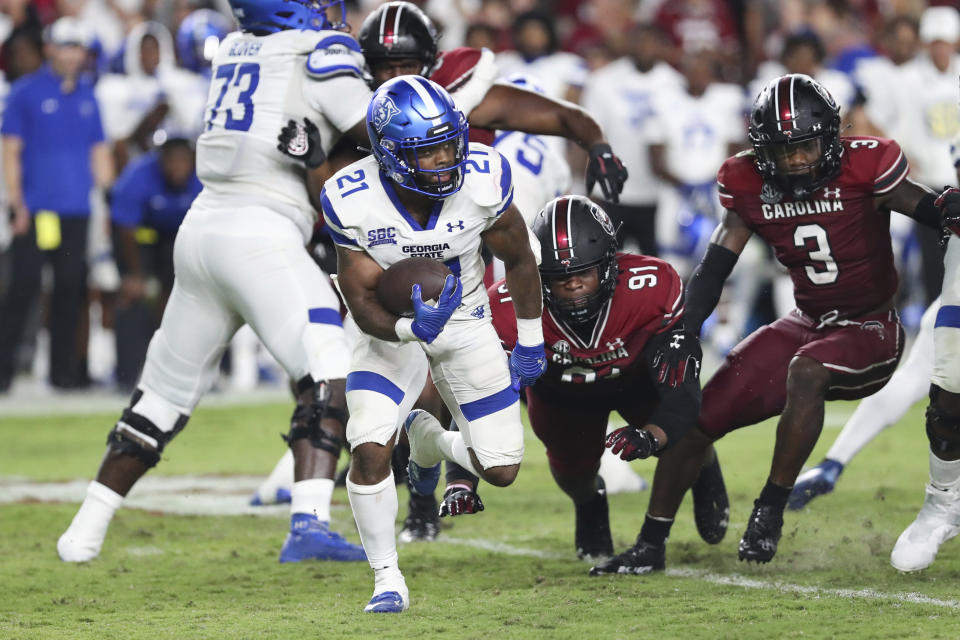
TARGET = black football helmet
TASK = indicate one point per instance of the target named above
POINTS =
(575, 235)
(398, 30)
(795, 118)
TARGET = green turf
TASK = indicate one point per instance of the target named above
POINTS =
(164, 576)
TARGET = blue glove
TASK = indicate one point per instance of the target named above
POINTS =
(526, 365)
(429, 321)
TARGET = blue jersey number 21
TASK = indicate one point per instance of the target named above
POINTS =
(240, 113)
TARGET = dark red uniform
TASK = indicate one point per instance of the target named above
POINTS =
(588, 377)
(836, 246)
(454, 71)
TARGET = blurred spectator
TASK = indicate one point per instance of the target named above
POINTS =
(924, 92)
(53, 154)
(535, 53)
(693, 131)
(803, 52)
(22, 53)
(621, 97)
(899, 44)
(693, 25)
(480, 35)
(149, 201)
(152, 91)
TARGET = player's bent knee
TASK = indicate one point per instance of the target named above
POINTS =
(501, 476)
(146, 427)
(806, 374)
(320, 415)
(943, 422)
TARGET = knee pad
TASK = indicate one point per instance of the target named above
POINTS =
(307, 419)
(137, 436)
(943, 428)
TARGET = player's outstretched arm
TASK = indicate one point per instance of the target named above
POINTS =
(357, 277)
(509, 240)
(509, 108)
(706, 282)
(913, 200)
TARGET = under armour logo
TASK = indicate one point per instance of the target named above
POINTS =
(451, 226)
(615, 344)
(677, 338)
(831, 193)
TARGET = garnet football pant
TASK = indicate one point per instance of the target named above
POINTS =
(751, 385)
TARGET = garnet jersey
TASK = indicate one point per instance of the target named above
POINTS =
(467, 74)
(836, 244)
(648, 300)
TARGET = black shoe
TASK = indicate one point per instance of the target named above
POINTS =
(711, 507)
(759, 541)
(423, 522)
(639, 559)
(592, 537)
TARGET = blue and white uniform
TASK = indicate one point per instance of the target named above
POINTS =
(466, 361)
(239, 255)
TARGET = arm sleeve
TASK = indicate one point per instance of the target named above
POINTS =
(343, 236)
(335, 85)
(706, 285)
(677, 411)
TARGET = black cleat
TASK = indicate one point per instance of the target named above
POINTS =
(759, 541)
(592, 537)
(639, 559)
(422, 523)
(711, 507)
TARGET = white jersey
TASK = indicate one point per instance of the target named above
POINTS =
(621, 98)
(363, 213)
(926, 120)
(539, 172)
(555, 73)
(258, 84)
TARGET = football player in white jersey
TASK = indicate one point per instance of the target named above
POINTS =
(425, 193)
(240, 258)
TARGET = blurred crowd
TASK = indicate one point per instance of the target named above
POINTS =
(96, 190)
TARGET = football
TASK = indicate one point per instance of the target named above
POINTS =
(393, 289)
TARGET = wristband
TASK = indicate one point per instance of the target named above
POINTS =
(404, 330)
(529, 332)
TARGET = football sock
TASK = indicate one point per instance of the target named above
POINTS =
(944, 474)
(655, 530)
(774, 495)
(84, 536)
(312, 497)
(458, 475)
(375, 509)
(280, 478)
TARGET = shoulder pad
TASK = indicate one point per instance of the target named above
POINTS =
(488, 179)
(336, 54)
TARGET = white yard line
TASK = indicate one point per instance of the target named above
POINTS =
(733, 580)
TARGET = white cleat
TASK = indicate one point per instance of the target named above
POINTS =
(71, 548)
(937, 522)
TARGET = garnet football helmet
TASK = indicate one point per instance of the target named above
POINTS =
(794, 130)
(576, 235)
(399, 30)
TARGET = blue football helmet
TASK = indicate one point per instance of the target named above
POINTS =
(409, 119)
(198, 37)
(271, 16)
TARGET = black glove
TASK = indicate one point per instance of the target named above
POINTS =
(678, 357)
(632, 443)
(460, 500)
(948, 203)
(302, 142)
(604, 167)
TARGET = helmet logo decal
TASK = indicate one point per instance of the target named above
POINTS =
(600, 216)
(384, 113)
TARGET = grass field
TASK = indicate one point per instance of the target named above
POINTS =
(509, 572)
